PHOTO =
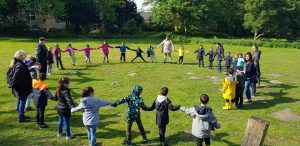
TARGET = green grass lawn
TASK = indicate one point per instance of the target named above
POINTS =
(184, 89)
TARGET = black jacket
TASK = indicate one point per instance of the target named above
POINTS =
(41, 53)
(162, 111)
(65, 102)
(21, 80)
(40, 97)
(50, 57)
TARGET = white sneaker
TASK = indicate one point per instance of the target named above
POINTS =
(60, 135)
(70, 137)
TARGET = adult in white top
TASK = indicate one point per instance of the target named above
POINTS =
(167, 48)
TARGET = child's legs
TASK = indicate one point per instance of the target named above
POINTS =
(27, 105)
(73, 59)
(57, 62)
(92, 134)
(210, 64)
(141, 127)
(165, 57)
(199, 141)
(162, 131)
(49, 68)
(199, 62)
(142, 58)
(67, 125)
(41, 115)
(202, 63)
(128, 131)
(38, 121)
(154, 59)
(182, 59)
(61, 65)
(134, 58)
(241, 94)
(60, 123)
(170, 57)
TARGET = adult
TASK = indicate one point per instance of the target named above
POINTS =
(21, 83)
(250, 73)
(105, 49)
(167, 48)
(41, 54)
(256, 58)
(220, 55)
(57, 56)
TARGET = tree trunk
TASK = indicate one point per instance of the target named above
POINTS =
(256, 35)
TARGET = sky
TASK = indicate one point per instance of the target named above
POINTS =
(139, 3)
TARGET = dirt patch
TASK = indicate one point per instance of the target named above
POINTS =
(132, 74)
(190, 73)
(276, 82)
(194, 78)
(286, 115)
(114, 84)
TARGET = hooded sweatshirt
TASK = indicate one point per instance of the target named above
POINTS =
(229, 88)
(163, 104)
(204, 121)
(90, 106)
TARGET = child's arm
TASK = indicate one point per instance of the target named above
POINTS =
(160, 44)
(214, 122)
(118, 102)
(196, 51)
(79, 107)
(102, 103)
(75, 49)
(117, 46)
(173, 108)
(188, 111)
(68, 98)
(145, 108)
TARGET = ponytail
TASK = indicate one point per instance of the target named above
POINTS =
(88, 91)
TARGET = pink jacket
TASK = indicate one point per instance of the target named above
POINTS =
(71, 52)
(87, 51)
(105, 48)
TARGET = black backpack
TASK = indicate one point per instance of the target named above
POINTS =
(9, 76)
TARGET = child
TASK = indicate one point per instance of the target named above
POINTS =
(235, 62)
(87, 52)
(151, 54)
(240, 86)
(162, 105)
(64, 106)
(228, 61)
(135, 102)
(123, 52)
(240, 62)
(90, 105)
(200, 56)
(57, 56)
(211, 57)
(50, 61)
(40, 96)
(204, 120)
(229, 89)
(105, 48)
(71, 52)
(138, 52)
(181, 53)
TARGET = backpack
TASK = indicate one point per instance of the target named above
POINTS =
(9, 76)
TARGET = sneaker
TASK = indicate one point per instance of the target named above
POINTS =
(248, 101)
(128, 143)
(63, 68)
(145, 140)
(23, 119)
(60, 135)
(37, 125)
(28, 108)
(70, 137)
(164, 143)
(26, 117)
(43, 126)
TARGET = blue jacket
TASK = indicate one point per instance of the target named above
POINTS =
(201, 53)
(250, 70)
(123, 48)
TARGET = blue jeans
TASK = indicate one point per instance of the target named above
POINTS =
(27, 105)
(219, 66)
(66, 121)
(21, 106)
(251, 82)
(91, 132)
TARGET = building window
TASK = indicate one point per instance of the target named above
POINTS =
(59, 21)
(31, 16)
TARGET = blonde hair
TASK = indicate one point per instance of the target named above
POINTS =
(50, 48)
(19, 55)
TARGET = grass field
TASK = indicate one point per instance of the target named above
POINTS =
(186, 82)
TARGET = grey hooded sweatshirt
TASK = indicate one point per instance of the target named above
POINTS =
(203, 120)
(90, 106)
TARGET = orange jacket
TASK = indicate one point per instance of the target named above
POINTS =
(39, 85)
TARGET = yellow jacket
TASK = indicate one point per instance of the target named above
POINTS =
(229, 87)
(181, 52)
(38, 84)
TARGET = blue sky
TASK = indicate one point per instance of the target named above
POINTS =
(139, 3)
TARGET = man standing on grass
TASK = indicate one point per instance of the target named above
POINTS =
(41, 54)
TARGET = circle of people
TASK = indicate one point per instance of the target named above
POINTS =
(23, 79)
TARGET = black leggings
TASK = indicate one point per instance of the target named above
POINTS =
(138, 57)
(141, 128)
(123, 57)
(180, 61)
(162, 131)
(59, 62)
(40, 111)
(200, 141)
(201, 62)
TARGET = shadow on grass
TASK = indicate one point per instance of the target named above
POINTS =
(219, 137)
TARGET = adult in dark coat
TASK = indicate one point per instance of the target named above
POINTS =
(200, 56)
(256, 57)
(220, 56)
(21, 83)
(250, 73)
(162, 105)
(42, 54)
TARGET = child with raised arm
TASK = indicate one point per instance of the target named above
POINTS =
(181, 53)
(71, 52)
(90, 117)
(40, 96)
(64, 105)
(200, 56)
(162, 105)
(151, 54)
(204, 120)
(87, 53)
(138, 52)
(229, 89)
(135, 102)
(57, 56)
(123, 48)
(105, 49)
(211, 57)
